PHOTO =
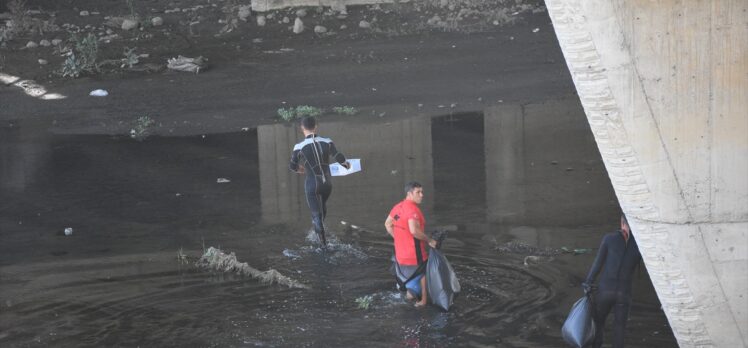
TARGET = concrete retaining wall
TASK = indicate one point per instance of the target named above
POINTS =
(664, 87)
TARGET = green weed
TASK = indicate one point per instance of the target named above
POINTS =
(130, 58)
(345, 110)
(83, 56)
(364, 302)
(141, 129)
(300, 111)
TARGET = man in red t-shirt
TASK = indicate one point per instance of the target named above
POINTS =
(406, 224)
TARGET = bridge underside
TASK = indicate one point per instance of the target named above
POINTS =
(664, 85)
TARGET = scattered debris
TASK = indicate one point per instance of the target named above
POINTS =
(364, 24)
(261, 21)
(56, 42)
(129, 24)
(84, 13)
(68, 231)
(182, 63)
(217, 260)
(157, 21)
(298, 26)
(301, 13)
(244, 12)
(43, 61)
(222, 180)
(45, 43)
(536, 30)
(32, 44)
(99, 93)
(114, 22)
(320, 29)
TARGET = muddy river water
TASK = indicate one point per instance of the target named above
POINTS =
(516, 185)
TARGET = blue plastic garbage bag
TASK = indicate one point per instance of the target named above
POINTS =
(441, 280)
(414, 286)
(579, 327)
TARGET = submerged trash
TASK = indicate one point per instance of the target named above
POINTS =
(532, 259)
(217, 260)
(222, 180)
(577, 251)
(68, 231)
(99, 93)
(291, 254)
(515, 247)
(182, 63)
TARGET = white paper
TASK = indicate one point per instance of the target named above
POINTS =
(337, 170)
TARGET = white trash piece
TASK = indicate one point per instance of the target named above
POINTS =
(186, 64)
(338, 170)
(99, 93)
(68, 231)
(223, 180)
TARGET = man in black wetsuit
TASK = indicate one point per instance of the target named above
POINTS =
(311, 157)
(617, 257)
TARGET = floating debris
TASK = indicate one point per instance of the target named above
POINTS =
(577, 251)
(515, 247)
(217, 260)
(533, 260)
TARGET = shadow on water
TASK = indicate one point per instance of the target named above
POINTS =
(526, 175)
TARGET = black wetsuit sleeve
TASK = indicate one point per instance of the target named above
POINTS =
(602, 253)
(294, 165)
(338, 156)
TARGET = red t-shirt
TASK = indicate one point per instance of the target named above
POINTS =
(405, 247)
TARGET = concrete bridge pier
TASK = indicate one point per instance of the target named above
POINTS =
(664, 85)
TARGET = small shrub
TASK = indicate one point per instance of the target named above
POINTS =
(20, 21)
(83, 57)
(298, 112)
(345, 110)
(306, 110)
(364, 302)
(141, 129)
(182, 258)
(130, 58)
(286, 114)
(230, 9)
